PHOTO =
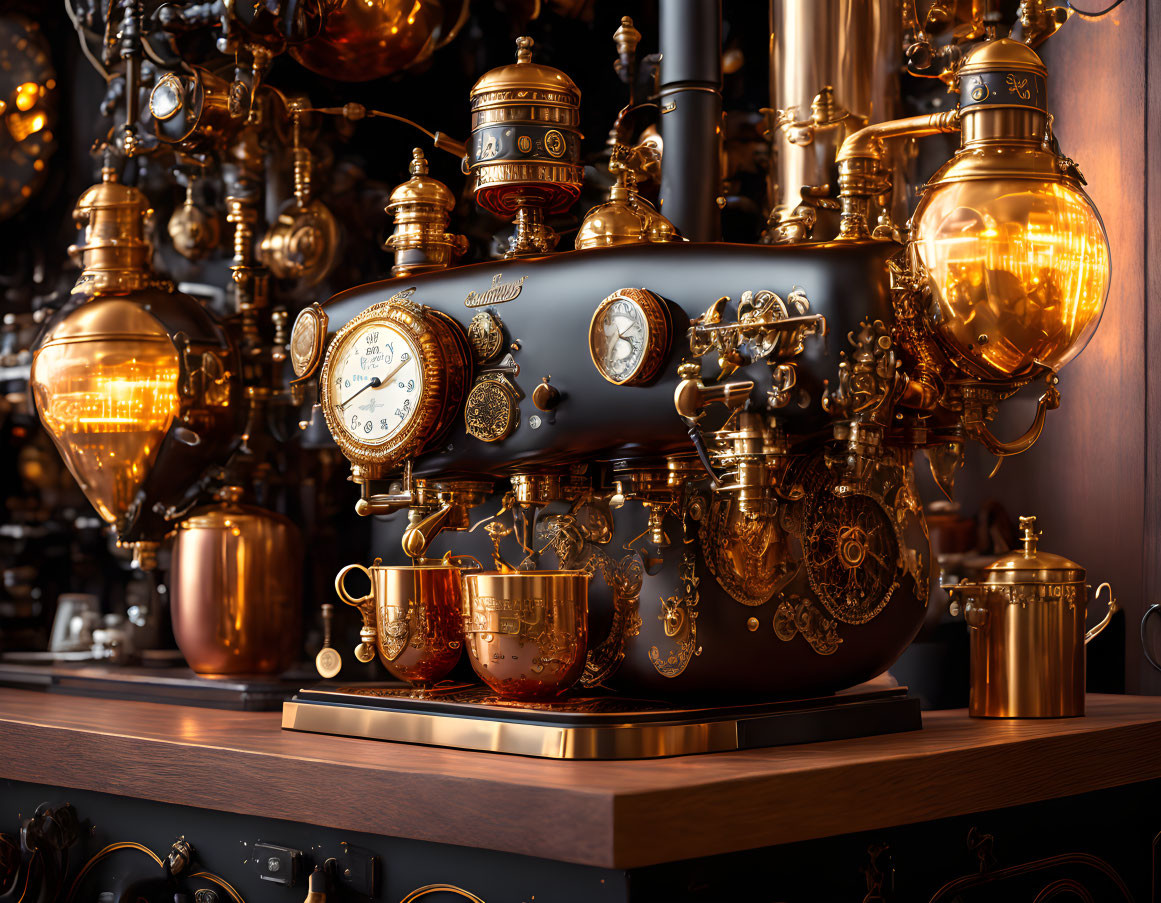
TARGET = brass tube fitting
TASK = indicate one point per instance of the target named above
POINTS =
(861, 173)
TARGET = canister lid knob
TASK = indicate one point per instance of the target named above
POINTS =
(1030, 536)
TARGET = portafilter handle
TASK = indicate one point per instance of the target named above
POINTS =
(365, 651)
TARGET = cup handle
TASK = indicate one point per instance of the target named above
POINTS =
(1112, 610)
(1152, 610)
(365, 651)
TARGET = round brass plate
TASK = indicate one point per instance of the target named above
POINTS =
(306, 340)
(490, 411)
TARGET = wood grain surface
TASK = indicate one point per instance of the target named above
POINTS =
(610, 814)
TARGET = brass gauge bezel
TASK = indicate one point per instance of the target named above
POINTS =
(304, 361)
(445, 370)
(658, 335)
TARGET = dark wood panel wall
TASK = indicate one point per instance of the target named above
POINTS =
(1095, 476)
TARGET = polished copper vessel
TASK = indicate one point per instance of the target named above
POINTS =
(527, 631)
(412, 616)
(236, 589)
(1027, 623)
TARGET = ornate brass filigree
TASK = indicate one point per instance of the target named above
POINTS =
(750, 557)
(490, 411)
(796, 615)
(679, 618)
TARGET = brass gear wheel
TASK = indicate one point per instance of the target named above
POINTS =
(852, 555)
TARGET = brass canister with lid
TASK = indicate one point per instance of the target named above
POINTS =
(1027, 622)
(524, 152)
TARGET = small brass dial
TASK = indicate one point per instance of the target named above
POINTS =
(629, 336)
(392, 380)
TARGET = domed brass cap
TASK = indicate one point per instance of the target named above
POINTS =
(525, 75)
(624, 220)
(420, 189)
(1004, 54)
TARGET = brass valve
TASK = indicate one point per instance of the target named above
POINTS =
(692, 395)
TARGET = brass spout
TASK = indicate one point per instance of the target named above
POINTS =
(868, 142)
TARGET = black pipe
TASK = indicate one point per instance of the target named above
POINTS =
(691, 108)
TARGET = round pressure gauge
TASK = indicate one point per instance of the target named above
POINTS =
(629, 336)
(392, 380)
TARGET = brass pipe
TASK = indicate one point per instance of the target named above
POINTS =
(862, 175)
(868, 142)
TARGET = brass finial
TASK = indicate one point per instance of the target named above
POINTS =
(524, 45)
(1031, 534)
(626, 37)
(418, 162)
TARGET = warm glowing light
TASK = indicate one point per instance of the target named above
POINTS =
(26, 96)
(1019, 270)
(21, 125)
(107, 404)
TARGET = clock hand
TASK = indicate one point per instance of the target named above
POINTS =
(375, 383)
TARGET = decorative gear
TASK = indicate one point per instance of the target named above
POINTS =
(852, 555)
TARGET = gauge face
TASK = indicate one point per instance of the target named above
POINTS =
(376, 383)
(392, 381)
(629, 336)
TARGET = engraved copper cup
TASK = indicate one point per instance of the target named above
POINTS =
(412, 617)
(527, 631)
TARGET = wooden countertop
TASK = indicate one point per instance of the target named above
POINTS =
(609, 814)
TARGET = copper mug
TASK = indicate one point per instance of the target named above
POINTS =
(412, 616)
(527, 631)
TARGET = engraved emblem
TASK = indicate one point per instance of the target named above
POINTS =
(328, 662)
(499, 292)
(396, 633)
(1019, 88)
(488, 147)
(554, 143)
(524, 143)
(490, 411)
(979, 91)
(486, 336)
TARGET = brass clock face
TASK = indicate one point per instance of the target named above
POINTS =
(376, 383)
(629, 336)
(392, 380)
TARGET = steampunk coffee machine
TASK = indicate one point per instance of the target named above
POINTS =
(717, 438)
(619, 496)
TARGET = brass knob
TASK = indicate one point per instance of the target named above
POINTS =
(545, 396)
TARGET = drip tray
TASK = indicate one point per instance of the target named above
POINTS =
(597, 726)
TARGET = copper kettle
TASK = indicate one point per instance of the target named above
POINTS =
(236, 589)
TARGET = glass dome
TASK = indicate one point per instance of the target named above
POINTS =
(107, 398)
(1019, 270)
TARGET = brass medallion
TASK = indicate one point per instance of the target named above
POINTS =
(328, 662)
(490, 411)
(486, 336)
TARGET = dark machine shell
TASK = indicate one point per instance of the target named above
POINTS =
(809, 620)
